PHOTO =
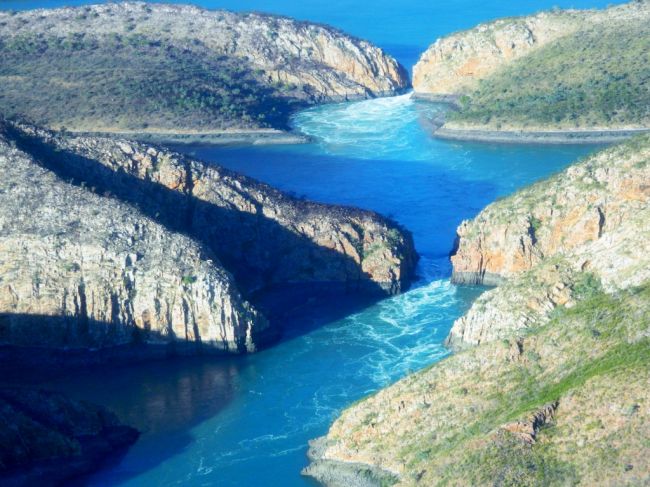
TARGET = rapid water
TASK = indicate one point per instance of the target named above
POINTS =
(246, 421)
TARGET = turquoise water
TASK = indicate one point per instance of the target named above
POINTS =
(246, 421)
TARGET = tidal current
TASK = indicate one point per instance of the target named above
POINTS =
(246, 421)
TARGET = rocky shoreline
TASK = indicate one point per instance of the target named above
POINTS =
(213, 138)
(48, 439)
(585, 136)
(545, 363)
(333, 473)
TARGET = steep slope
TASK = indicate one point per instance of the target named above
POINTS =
(79, 270)
(263, 236)
(563, 404)
(550, 72)
(584, 203)
(554, 388)
(177, 69)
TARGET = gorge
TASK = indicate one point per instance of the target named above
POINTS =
(246, 420)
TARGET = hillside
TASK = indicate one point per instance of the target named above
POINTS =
(550, 72)
(174, 69)
(109, 243)
(549, 386)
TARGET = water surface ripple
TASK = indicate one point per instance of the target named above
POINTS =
(246, 421)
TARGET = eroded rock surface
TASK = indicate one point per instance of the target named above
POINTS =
(455, 64)
(82, 270)
(238, 71)
(263, 236)
(582, 204)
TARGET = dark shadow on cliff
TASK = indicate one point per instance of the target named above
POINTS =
(254, 248)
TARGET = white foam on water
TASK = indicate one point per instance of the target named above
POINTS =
(383, 128)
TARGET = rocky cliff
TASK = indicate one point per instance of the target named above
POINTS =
(548, 77)
(553, 389)
(47, 439)
(587, 202)
(586, 227)
(263, 236)
(198, 70)
(83, 270)
(454, 65)
(107, 243)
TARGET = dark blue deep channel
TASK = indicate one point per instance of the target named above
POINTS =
(245, 421)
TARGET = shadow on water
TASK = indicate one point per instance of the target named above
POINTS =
(163, 400)
(246, 243)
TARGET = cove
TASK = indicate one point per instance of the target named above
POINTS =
(246, 421)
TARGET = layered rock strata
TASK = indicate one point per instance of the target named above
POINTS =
(263, 236)
(109, 243)
(558, 368)
(454, 65)
(81, 270)
(589, 201)
(200, 73)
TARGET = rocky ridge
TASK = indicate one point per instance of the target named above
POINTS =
(81, 270)
(585, 228)
(138, 244)
(553, 389)
(263, 236)
(455, 64)
(200, 71)
(582, 204)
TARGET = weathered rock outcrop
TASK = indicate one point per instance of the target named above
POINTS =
(81, 270)
(263, 236)
(563, 358)
(588, 227)
(478, 415)
(200, 71)
(582, 204)
(618, 260)
(546, 78)
(107, 243)
(47, 439)
(455, 64)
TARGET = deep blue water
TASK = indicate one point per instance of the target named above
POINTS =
(245, 421)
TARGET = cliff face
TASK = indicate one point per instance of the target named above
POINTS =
(263, 236)
(585, 228)
(198, 70)
(107, 243)
(47, 439)
(560, 358)
(455, 64)
(547, 78)
(589, 201)
(80, 270)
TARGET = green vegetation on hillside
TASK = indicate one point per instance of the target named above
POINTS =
(597, 77)
(591, 362)
(135, 83)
